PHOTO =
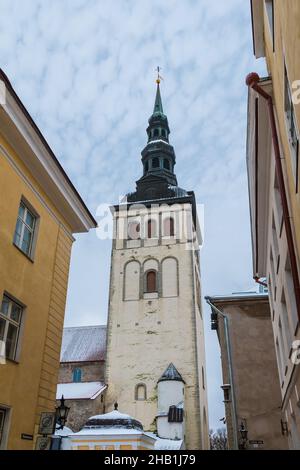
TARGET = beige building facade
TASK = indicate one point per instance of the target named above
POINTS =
(155, 325)
(251, 386)
(273, 174)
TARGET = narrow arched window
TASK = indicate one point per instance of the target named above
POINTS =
(166, 164)
(151, 284)
(77, 375)
(146, 166)
(155, 162)
(140, 392)
(163, 132)
(156, 132)
(169, 227)
(151, 229)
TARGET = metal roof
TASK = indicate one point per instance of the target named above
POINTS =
(84, 344)
(80, 390)
(171, 373)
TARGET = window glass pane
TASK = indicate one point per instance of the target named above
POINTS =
(26, 240)
(11, 340)
(5, 306)
(18, 231)
(29, 219)
(2, 328)
(15, 313)
(21, 211)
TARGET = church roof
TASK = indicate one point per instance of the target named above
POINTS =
(80, 390)
(84, 344)
(171, 373)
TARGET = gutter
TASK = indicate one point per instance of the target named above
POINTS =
(252, 81)
(230, 369)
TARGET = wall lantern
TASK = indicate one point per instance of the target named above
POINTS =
(62, 412)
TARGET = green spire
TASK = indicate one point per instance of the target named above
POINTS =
(158, 107)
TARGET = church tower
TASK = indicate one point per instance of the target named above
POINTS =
(155, 366)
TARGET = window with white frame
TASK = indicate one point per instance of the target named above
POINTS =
(10, 322)
(25, 229)
(292, 129)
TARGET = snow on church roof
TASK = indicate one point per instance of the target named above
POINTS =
(80, 390)
(84, 344)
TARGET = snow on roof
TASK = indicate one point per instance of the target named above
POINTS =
(63, 432)
(106, 431)
(165, 444)
(80, 390)
(84, 344)
(115, 414)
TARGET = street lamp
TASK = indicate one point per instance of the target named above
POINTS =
(62, 412)
(244, 435)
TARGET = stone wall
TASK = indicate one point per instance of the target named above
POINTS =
(81, 410)
(90, 371)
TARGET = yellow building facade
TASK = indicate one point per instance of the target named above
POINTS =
(40, 210)
(273, 173)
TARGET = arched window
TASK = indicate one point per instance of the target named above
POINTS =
(169, 227)
(77, 375)
(155, 162)
(134, 230)
(151, 229)
(140, 392)
(146, 166)
(163, 132)
(151, 284)
(166, 164)
(156, 132)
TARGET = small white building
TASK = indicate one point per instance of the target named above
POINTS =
(112, 431)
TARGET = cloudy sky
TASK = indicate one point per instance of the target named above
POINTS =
(85, 70)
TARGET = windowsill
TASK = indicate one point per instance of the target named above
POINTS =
(23, 253)
(150, 295)
(13, 361)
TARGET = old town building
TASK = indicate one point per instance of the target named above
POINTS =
(40, 211)
(81, 373)
(251, 385)
(273, 174)
(155, 342)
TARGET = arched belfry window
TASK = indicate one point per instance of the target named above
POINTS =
(169, 230)
(151, 228)
(155, 162)
(151, 281)
(77, 375)
(166, 164)
(156, 132)
(140, 392)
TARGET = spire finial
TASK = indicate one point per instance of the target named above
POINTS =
(159, 77)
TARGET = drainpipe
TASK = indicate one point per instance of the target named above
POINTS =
(252, 81)
(231, 381)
